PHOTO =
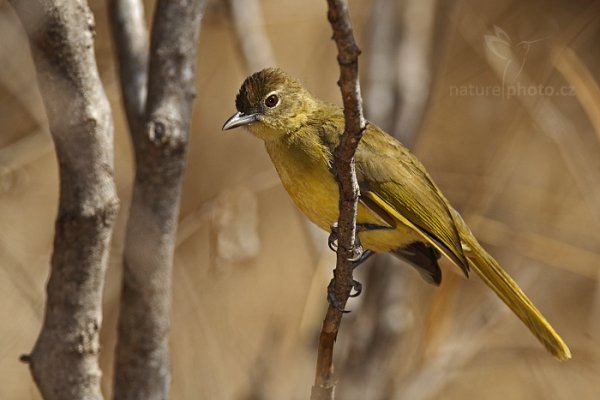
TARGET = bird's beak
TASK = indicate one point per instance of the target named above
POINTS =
(239, 119)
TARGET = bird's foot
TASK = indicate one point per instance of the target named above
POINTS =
(332, 240)
(364, 255)
(332, 298)
(357, 286)
(358, 253)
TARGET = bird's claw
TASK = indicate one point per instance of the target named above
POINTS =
(333, 238)
(357, 251)
(357, 286)
(332, 298)
(358, 256)
(332, 242)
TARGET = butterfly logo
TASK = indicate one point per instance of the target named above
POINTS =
(511, 56)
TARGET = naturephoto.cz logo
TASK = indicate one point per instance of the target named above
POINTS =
(508, 59)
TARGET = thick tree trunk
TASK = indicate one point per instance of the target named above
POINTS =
(64, 361)
(160, 138)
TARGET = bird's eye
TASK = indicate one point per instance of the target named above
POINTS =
(271, 101)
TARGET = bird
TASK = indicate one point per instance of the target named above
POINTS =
(400, 210)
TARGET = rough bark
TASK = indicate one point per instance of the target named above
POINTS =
(348, 53)
(142, 369)
(64, 361)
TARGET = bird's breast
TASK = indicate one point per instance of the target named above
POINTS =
(314, 190)
(308, 182)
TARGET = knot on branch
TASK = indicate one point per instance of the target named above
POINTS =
(91, 123)
(166, 133)
(90, 21)
(349, 58)
(87, 339)
(351, 62)
(25, 358)
(157, 132)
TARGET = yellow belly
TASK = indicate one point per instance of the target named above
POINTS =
(315, 192)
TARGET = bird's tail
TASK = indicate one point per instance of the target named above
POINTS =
(509, 292)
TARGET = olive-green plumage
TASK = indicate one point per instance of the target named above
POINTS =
(401, 208)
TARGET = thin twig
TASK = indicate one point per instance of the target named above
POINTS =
(64, 361)
(348, 53)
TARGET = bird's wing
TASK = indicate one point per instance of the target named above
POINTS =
(392, 181)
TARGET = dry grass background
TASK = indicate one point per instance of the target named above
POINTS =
(249, 276)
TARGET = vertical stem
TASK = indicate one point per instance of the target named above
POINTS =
(160, 138)
(348, 53)
(64, 361)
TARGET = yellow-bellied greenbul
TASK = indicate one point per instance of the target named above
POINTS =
(401, 210)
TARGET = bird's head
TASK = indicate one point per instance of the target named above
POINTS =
(271, 104)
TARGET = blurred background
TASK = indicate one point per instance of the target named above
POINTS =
(499, 100)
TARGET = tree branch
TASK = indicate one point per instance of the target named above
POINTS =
(355, 124)
(160, 145)
(64, 361)
(130, 37)
(251, 35)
